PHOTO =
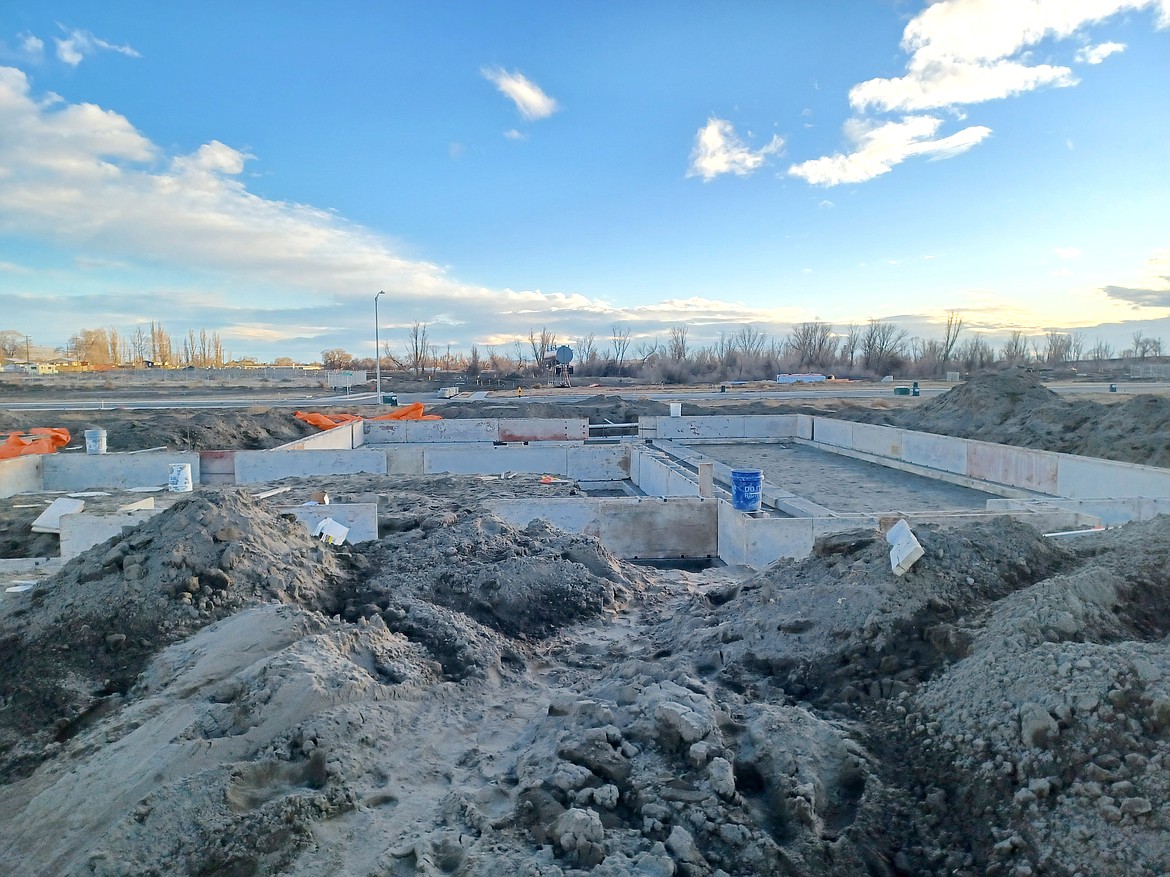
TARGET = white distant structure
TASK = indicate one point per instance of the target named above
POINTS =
(800, 379)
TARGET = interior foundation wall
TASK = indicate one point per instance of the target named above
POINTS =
(22, 474)
(95, 471)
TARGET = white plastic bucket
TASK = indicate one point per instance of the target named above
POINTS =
(180, 480)
(675, 409)
(95, 441)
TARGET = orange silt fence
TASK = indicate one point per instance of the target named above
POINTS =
(40, 440)
(413, 411)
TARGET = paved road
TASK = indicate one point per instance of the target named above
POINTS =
(567, 397)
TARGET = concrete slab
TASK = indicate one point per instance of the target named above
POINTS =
(843, 484)
(49, 521)
(80, 532)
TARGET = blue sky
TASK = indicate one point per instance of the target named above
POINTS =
(263, 169)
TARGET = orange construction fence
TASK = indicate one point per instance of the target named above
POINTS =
(413, 411)
(39, 440)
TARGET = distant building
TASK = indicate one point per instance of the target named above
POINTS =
(37, 368)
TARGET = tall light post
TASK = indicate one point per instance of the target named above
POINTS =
(377, 350)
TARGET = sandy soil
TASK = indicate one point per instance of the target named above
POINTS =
(215, 694)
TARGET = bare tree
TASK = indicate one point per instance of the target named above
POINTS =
(975, 353)
(647, 351)
(850, 344)
(1015, 349)
(677, 344)
(619, 339)
(541, 344)
(1101, 352)
(139, 344)
(417, 345)
(950, 336)
(1056, 347)
(586, 349)
(10, 342)
(750, 341)
(114, 345)
(812, 344)
(473, 365)
(883, 347)
(161, 346)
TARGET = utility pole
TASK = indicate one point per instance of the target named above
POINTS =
(27, 358)
(377, 351)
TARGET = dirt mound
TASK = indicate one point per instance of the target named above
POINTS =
(217, 694)
(224, 428)
(1015, 408)
(985, 402)
(601, 408)
(76, 647)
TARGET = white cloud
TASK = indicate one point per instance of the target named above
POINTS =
(1098, 53)
(968, 51)
(878, 147)
(718, 150)
(962, 52)
(1067, 252)
(528, 97)
(180, 237)
(513, 134)
(31, 45)
(78, 44)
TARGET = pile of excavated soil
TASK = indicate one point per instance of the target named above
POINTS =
(1015, 408)
(215, 693)
(128, 430)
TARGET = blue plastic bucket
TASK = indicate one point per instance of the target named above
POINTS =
(745, 489)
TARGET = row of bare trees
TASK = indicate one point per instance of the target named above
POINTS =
(874, 348)
(107, 346)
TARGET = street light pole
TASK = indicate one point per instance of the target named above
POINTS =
(377, 350)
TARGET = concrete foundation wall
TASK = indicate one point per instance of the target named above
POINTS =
(630, 527)
(86, 471)
(340, 437)
(360, 517)
(257, 466)
(382, 432)
(1025, 469)
(571, 460)
(1110, 512)
(217, 467)
(22, 474)
(736, 426)
(656, 475)
(759, 542)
